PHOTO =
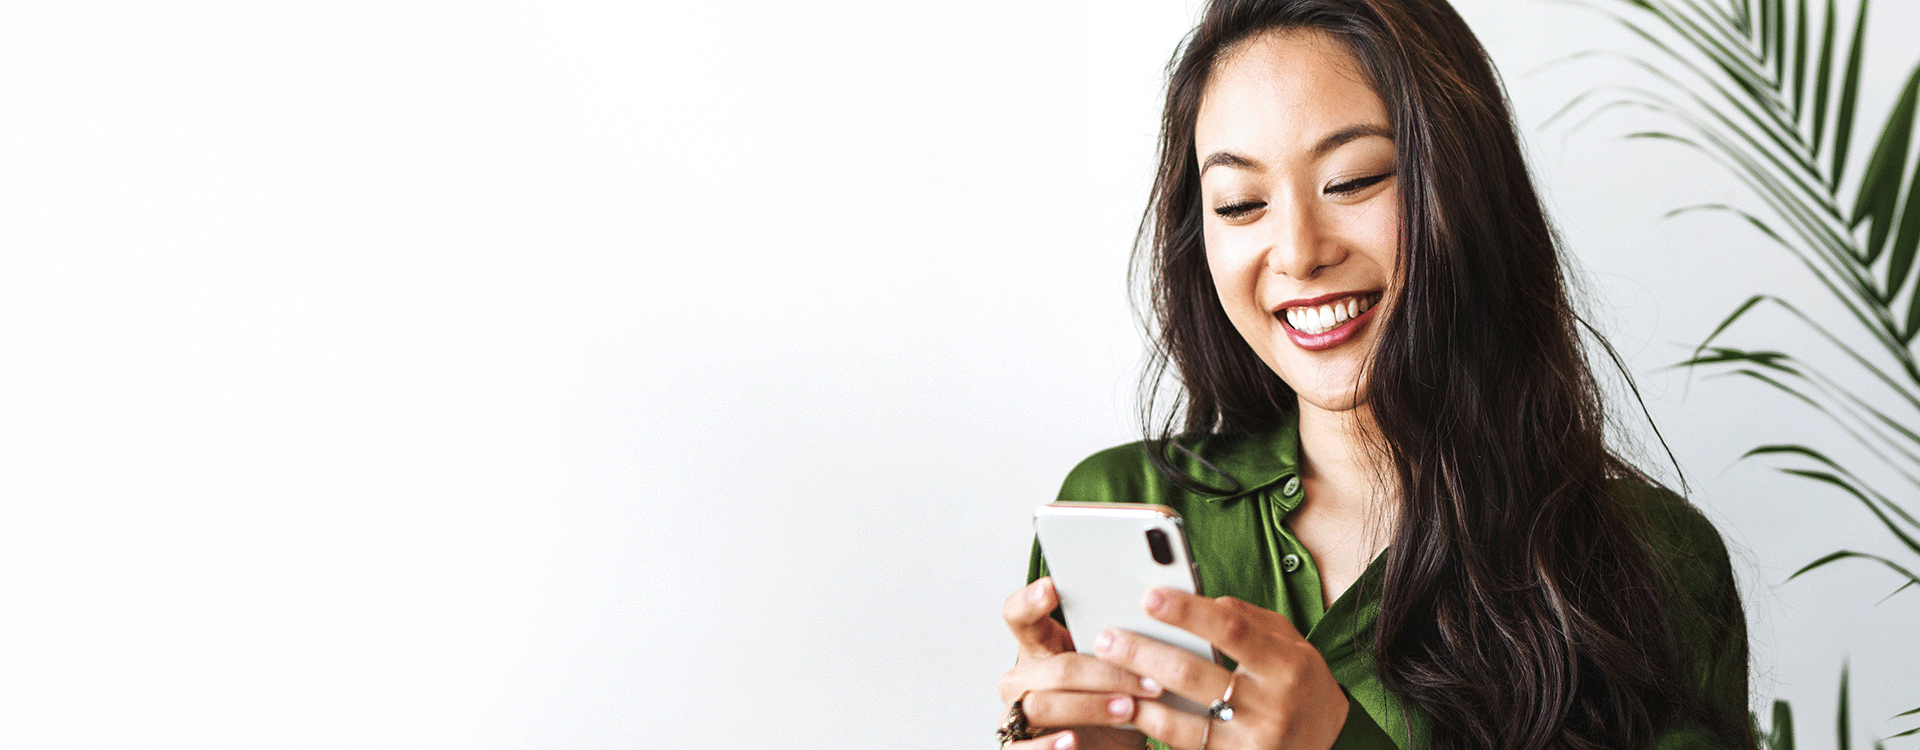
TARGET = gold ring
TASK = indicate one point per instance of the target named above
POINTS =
(1223, 709)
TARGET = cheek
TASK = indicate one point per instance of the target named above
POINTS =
(1378, 231)
(1236, 276)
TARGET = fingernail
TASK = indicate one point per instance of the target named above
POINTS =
(1121, 707)
(1104, 641)
(1065, 742)
(1149, 686)
(1036, 594)
(1155, 600)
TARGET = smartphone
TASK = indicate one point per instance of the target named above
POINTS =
(1104, 557)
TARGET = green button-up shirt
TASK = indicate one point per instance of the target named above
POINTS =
(1243, 548)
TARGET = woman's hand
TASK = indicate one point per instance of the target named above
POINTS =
(1079, 694)
(1284, 694)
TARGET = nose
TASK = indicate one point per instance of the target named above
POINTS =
(1302, 246)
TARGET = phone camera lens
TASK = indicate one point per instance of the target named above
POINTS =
(1162, 550)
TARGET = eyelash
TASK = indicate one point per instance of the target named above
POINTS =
(1237, 210)
(1353, 186)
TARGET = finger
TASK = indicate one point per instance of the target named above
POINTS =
(1074, 672)
(1057, 708)
(1055, 741)
(1175, 668)
(1178, 729)
(1026, 613)
(1233, 626)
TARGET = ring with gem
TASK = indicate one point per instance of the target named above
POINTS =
(1015, 727)
(1223, 709)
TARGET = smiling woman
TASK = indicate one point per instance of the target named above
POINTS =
(1305, 227)
(1390, 457)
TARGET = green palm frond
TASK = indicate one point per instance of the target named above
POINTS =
(1770, 90)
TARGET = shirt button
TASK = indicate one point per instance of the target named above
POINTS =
(1290, 563)
(1292, 488)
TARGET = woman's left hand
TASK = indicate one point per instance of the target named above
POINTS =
(1284, 696)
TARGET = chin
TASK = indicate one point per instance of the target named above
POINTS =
(1333, 389)
(1340, 402)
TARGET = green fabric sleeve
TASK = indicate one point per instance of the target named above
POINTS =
(1703, 607)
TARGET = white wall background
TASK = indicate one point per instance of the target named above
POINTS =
(594, 375)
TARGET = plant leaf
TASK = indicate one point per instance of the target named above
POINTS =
(1800, 61)
(1864, 363)
(1780, 735)
(1901, 256)
(1823, 77)
(1779, 44)
(1868, 365)
(1849, 93)
(1738, 311)
(1891, 342)
(1793, 202)
(1821, 476)
(1723, 355)
(1851, 555)
(1863, 412)
(1843, 721)
(1769, 31)
(1733, 57)
(1909, 712)
(1880, 187)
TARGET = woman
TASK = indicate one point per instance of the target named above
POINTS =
(1392, 463)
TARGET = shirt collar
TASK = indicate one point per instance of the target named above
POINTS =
(1254, 461)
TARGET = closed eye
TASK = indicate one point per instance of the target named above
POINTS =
(1239, 210)
(1353, 186)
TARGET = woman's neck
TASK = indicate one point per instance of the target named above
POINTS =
(1348, 477)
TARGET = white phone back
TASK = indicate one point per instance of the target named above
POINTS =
(1102, 568)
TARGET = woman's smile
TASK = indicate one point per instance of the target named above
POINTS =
(1329, 321)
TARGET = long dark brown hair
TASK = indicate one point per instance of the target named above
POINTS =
(1519, 607)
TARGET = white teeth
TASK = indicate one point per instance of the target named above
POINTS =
(1319, 319)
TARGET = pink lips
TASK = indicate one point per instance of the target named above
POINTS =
(1323, 341)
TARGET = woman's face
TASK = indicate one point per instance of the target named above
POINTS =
(1303, 223)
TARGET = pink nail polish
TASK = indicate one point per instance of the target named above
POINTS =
(1104, 641)
(1150, 686)
(1120, 707)
(1065, 742)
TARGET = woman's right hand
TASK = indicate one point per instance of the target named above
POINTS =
(1077, 698)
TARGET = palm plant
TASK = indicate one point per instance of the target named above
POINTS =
(1771, 91)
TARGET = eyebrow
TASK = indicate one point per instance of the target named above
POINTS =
(1332, 141)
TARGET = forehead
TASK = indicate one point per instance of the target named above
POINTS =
(1277, 93)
